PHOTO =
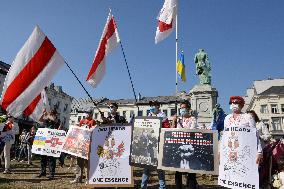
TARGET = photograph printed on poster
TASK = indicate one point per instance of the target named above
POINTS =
(145, 138)
(188, 150)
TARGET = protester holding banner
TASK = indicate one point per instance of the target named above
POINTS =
(155, 112)
(50, 121)
(185, 121)
(82, 163)
(237, 118)
(113, 117)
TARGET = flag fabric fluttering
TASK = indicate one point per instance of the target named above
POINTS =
(181, 68)
(36, 107)
(166, 20)
(109, 41)
(33, 68)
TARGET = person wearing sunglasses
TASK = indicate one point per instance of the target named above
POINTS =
(239, 119)
(113, 116)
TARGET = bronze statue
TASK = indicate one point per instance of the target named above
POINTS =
(203, 67)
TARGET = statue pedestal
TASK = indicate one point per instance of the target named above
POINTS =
(203, 99)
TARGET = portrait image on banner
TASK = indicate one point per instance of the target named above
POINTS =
(109, 157)
(48, 142)
(238, 152)
(145, 139)
(77, 141)
(189, 150)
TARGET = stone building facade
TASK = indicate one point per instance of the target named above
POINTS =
(266, 98)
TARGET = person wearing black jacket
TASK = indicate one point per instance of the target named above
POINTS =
(50, 121)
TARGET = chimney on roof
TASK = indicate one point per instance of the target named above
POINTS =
(139, 96)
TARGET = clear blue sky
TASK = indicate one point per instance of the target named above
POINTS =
(244, 41)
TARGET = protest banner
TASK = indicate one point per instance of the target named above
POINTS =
(109, 157)
(145, 138)
(238, 151)
(77, 141)
(48, 142)
(189, 150)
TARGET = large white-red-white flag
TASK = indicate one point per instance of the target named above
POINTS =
(37, 106)
(109, 41)
(33, 68)
(166, 20)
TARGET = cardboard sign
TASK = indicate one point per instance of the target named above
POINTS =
(109, 157)
(48, 142)
(189, 150)
(145, 138)
(238, 151)
(77, 142)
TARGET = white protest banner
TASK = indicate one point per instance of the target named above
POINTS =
(145, 138)
(77, 142)
(109, 157)
(48, 142)
(238, 151)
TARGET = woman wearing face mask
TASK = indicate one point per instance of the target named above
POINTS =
(239, 119)
(185, 121)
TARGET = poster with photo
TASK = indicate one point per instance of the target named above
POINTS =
(189, 150)
(77, 142)
(145, 139)
(238, 152)
(109, 157)
(48, 142)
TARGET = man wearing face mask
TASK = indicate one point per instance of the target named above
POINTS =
(239, 119)
(113, 117)
(155, 112)
(185, 121)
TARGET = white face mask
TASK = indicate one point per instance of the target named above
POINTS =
(234, 107)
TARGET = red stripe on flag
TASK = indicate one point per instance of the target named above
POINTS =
(29, 72)
(102, 47)
(163, 26)
(30, 109)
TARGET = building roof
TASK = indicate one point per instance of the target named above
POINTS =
(82, 104)
(274, 90)
(4, 67)
(262, 85)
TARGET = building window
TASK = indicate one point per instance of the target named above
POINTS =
(276, 123)
(282, 108)
(132, 114)
(124, 114)
(96, 116)
(173, 111)
(65, 107)
(79, 118)
(140, 113)
(165, 112)
(148, 112)
(274, 109)
(264, 109)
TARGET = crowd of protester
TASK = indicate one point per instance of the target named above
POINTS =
(18, 143)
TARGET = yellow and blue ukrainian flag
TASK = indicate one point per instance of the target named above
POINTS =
(181, 67)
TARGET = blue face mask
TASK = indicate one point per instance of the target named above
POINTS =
(183, 111)
(153, 109)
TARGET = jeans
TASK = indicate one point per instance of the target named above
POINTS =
(51, 165)
(190, 180)
(146, 175)
(7, 149)
(82, 165)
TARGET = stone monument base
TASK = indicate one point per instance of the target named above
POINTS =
(203, 99)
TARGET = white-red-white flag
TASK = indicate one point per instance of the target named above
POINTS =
(166, 20)
(33, 68)
(109, 41)
(36, 107)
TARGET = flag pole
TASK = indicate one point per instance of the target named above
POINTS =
(129, 75)
(95, 104)
(176, 57)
